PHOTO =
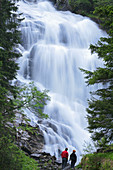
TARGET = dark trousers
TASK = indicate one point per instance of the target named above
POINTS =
(64, 162)
(72, 164)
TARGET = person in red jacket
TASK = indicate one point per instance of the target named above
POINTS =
(64, 156)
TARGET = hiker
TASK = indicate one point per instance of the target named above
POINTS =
(59, 152)
(73, 158)
(64, 156)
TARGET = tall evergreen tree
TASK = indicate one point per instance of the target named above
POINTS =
(13, 98)
(100, 110)
(9, 38)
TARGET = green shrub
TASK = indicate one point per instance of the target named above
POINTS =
(81, 6)
(97, 161)
(12, 158)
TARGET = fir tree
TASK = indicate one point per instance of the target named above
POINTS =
(13, 98)
(100, 110)
(9, 39)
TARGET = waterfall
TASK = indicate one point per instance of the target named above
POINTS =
(55, 45)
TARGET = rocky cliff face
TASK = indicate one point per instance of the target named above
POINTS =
(32, 143)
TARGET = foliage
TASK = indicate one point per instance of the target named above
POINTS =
(100, 110)
(12, 97)
(13, 158)
(86, 7)
(96, 161)
(81, 6)
(88, 147)
(29, 97)
(100, 3)
(8, 42)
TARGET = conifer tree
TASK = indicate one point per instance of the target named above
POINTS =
(100, 110)
(9, 39)
(12, 97)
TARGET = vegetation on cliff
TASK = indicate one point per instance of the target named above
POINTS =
(86, 7)
(102, 159)
(100, 109)
(12, 97)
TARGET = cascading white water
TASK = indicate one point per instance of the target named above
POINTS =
(54, 45)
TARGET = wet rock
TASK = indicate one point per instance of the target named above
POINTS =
(26, 150)
(32, 143)
(35, 155)
(46, 161)
(63, 5)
